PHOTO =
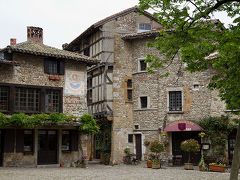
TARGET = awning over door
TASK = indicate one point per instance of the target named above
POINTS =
(182, 125)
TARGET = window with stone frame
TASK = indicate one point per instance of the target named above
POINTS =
(143, 102)
(175, 101)
(27, 99)
(130, 138)
(4, 98)
(52, 101)
(129, 90)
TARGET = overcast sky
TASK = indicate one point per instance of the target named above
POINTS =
(61, 20)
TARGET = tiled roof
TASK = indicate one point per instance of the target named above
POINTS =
(43, 50)
(4, 61)
(105, 20)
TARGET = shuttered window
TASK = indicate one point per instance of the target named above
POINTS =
(74, 140)
(54, 67)
(175, 101)
(9, 140)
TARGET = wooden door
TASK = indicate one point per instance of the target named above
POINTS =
(138, 138)
(47, 146)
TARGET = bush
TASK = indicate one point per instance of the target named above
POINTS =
(4, 120)
(157, 147)
(190, 145)
(88, 125)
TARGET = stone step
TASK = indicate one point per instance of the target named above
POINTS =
(48, 166)
(94, 161)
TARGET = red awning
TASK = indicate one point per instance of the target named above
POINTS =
(182, 125)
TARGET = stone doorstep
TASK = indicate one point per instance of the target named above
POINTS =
(94, 161)
(49, 166)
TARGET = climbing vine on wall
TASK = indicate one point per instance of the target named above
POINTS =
(217, 130)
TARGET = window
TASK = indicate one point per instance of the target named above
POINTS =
(129, 90)
(1, 56)
(142, 65)
(52, 101)
(28, 141)
(4, 95)
(144, 27)
(66, 140)
(27, 99)
(175, 101)
(130, 138)
(55, 67)
(143, 101)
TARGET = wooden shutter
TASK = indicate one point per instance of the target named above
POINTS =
(19, 140)
(46, 66)
(9, 140)
(61, 67)
(74, 140)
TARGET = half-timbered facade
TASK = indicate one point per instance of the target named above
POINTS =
(35, 79)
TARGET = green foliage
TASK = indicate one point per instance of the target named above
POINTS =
(202, 163)
(88, 125)
(3, 120)
(127, 151)
(157, 147)
(190, 145)
(218, 129)
(34, 120)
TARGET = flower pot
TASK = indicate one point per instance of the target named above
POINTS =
(188, 166)
(156, 165)
(216, 168)
(61, 165)
(200, 168)
(149, 164)
(84, 163)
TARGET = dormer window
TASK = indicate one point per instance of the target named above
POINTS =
(144, 27)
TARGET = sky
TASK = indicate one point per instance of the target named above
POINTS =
(62, 20)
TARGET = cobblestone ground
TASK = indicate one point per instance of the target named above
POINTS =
(102, 172)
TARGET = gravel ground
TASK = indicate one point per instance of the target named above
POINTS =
(102, 172)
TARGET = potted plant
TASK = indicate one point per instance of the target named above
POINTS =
(215, 167)
(156, 147)
(202, 164)
(189, 146)
(84, 161)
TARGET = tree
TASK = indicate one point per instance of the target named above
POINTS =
(203, 44)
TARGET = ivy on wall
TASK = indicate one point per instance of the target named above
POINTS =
(217, 130)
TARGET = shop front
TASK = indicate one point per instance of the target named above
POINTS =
(179, 131)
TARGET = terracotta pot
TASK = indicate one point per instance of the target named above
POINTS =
(200, 168)
(51, 77)
(149, 164)
(216, 168)
(61, 165)
(188, 166)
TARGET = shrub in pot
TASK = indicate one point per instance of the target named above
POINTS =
(156, 147)
(189, 146)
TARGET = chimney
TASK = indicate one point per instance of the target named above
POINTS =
(35, 34)
(64, 45)
(13, 41)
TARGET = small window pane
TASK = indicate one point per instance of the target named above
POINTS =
(52, 100)
(143, 65)
(130, 138)
(129, 95)
(53, 67)
(66, 140)
(129, 83)
(4, 93)
(28, 140)
(143, 102)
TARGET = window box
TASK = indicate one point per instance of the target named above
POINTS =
(54, 78)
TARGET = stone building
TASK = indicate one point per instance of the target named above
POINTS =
(139, 106)
(36, 78)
